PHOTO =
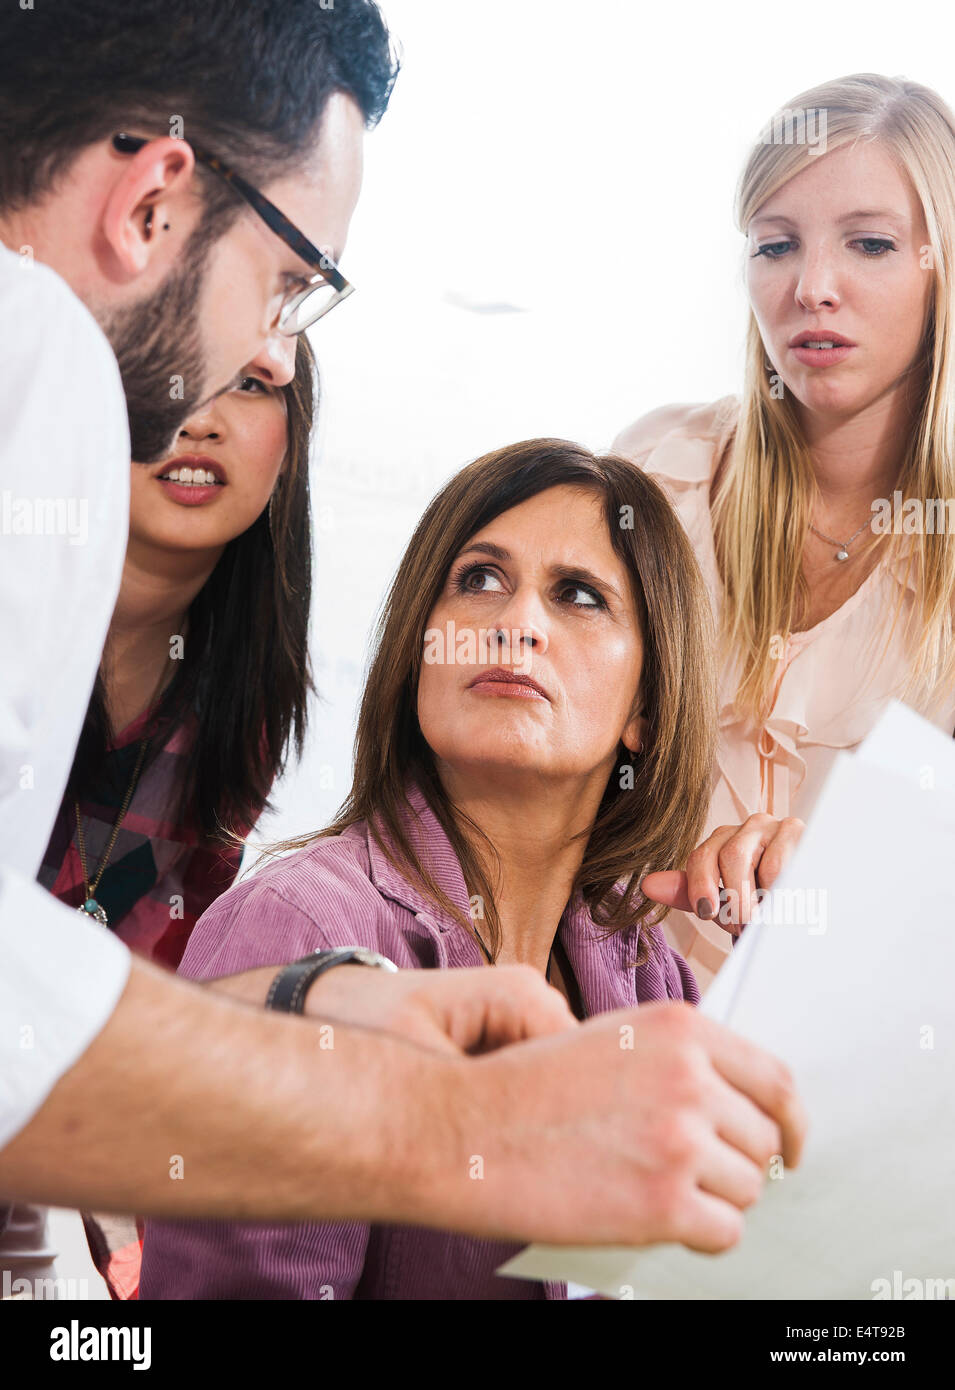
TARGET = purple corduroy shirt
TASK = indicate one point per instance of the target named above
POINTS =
(343, 891)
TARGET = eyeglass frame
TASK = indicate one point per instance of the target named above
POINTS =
(276, 220)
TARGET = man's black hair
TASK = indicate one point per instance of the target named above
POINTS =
(248, 79)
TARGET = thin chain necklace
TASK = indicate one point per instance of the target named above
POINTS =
(90, 906)
(842, 551)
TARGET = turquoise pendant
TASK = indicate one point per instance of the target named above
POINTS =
(92, 909)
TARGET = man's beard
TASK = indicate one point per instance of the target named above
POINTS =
(158, 346)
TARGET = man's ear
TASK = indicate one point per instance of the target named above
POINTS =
(147, 214)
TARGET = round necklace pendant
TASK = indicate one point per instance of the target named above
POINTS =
(842, 554)
(91, 908)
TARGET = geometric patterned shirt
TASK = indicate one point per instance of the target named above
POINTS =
(158, 881)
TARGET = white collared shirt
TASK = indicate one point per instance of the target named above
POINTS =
(64, 518)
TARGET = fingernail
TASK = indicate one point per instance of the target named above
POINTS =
(704, 908)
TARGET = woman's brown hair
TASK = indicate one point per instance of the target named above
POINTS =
(652, 813)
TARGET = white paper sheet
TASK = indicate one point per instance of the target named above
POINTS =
(860, 1002)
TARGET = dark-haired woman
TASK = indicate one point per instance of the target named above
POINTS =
(201, 693)
(536, 733)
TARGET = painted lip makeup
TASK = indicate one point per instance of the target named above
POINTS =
(820, 348)
(191, 479)
(497, 680)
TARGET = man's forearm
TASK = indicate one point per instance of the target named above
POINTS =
(249, 986)
(252, 986)
(190, 1104)
(187, 1105)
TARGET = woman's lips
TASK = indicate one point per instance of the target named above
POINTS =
(814, 356)
(187, 493)
(508, 683)
(821, 357)
(190, 494)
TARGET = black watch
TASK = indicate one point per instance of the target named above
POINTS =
(288, 990)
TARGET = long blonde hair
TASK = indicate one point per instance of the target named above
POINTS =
(763, 502)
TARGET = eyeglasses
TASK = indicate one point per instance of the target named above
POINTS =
(328, 287)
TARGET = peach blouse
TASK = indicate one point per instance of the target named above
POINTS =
(831, 688)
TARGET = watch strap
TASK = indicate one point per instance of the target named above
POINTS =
(288, 990)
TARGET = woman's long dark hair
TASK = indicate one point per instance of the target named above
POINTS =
(651, 819)
(245, 669)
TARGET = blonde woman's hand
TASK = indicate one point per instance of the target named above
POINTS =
(737, 859)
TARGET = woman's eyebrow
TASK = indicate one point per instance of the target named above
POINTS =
(859, 215)
(775, 217)
(497, 552)
(578, 573)
(885, 214)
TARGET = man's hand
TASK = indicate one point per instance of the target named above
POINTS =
(744, 857)
(639, 1126)
(643, 1125)
(472, 1011)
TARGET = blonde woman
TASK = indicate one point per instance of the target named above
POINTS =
(806, 499)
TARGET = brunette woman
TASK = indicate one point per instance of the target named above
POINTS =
(536, 732)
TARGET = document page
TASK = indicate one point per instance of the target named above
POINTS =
(849, 976)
